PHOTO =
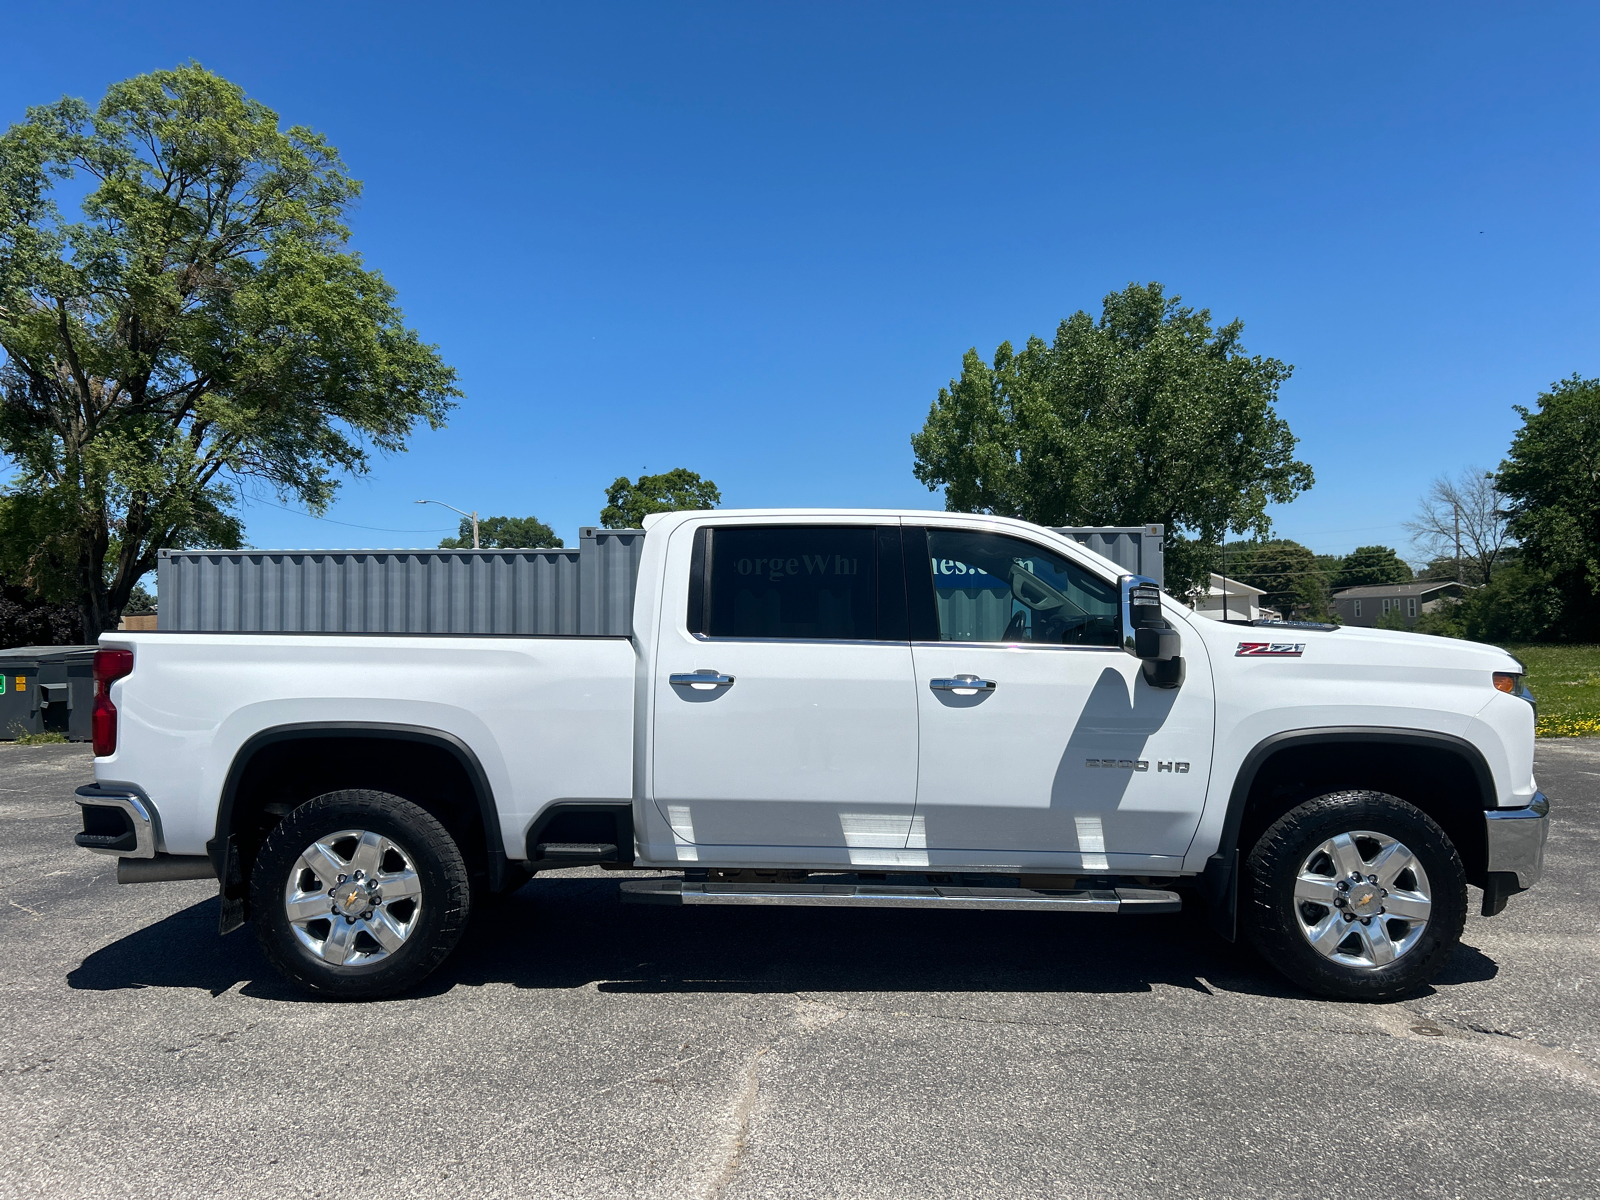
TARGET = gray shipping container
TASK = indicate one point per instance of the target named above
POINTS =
(47, 689)
(586, 591)
(1137, 549)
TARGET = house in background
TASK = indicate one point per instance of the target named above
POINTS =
(1365, 605)
(1229, 600)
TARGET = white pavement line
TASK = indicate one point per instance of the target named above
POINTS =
(742, 1107)
(24, 908)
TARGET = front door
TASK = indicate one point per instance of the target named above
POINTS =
(1059, 755)
(785, 712)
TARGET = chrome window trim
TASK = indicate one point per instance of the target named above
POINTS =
(727, 641)
(781, 641)
(1020, 646)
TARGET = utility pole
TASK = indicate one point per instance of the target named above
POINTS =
(471, 516)
(1457, 507)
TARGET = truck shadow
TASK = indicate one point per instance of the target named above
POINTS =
(570, 932)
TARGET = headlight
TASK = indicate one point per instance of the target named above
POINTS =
(1512, 685)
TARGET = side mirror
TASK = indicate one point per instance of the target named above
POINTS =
(1146, 634)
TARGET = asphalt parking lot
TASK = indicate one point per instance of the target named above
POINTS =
(574, 1047)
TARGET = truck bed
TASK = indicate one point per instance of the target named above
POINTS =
(547, 718)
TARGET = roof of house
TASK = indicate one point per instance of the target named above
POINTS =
(1235, 588)
(1420, 588)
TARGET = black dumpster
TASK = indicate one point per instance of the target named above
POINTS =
(47, 689)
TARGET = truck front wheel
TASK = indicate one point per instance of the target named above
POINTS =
(359, 894)
(1356, 895)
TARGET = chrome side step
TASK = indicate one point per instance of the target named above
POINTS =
(893, 895)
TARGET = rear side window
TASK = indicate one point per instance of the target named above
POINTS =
(793, 581)
(992, 588)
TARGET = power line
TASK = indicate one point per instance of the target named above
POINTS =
(347, 524)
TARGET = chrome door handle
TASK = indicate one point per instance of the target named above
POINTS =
(969, 684)
(701, 680)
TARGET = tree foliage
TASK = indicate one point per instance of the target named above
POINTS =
(1367, 565)
(1291, 580)
(629, 502)
(1551, 477)
(503, 533)
(202, 326)
(1517, 605)
(26, 620)
(1148, 414)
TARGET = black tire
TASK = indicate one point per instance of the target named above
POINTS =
(432, 927)
(1281, 926)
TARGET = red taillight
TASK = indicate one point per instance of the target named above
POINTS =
(109, 666)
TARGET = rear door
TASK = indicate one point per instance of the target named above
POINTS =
(785, 710)
(1059, 753)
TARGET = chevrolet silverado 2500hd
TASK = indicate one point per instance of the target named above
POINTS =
(843, 708)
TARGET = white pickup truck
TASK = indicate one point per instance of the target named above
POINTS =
(846, 708)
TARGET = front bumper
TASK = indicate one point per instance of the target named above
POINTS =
(1516, 840)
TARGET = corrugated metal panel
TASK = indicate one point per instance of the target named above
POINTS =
(1137, 549)
(608, 569)
(371, 591)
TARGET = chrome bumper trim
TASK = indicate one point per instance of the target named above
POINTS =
(140, 815)
(1517, 837)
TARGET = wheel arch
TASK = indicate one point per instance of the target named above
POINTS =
(1395, 761)
(237, 797)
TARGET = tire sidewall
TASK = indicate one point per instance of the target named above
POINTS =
(434, 856)
(1275, 861)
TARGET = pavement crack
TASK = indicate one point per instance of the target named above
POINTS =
(742, 1108)
(24, 908)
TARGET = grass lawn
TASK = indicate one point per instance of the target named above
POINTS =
(1566, 683)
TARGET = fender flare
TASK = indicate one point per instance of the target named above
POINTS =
(494, 842)
(1219, 881)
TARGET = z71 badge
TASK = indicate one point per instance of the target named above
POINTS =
(1270, 650)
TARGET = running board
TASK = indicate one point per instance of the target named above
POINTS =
(889, 895)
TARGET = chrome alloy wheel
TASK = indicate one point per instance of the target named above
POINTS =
(1362, 899)
(353, 897)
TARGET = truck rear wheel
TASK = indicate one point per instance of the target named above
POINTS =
(1356, 895)
(359, 894)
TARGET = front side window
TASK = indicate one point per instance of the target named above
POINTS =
(992, 588)
(793, 581)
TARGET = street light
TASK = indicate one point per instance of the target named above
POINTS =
(471, 516)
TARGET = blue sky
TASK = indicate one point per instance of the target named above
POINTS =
(754, 240)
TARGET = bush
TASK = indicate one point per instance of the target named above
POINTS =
(1518, 605)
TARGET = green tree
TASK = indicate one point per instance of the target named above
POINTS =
(503, 533)
(1371, 564)
(201, 329)
(1291, 580)
(1148, 414)
(26, 620)
(1471, 571)
(1551, 478)
(1517, 605)
(629, 502)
